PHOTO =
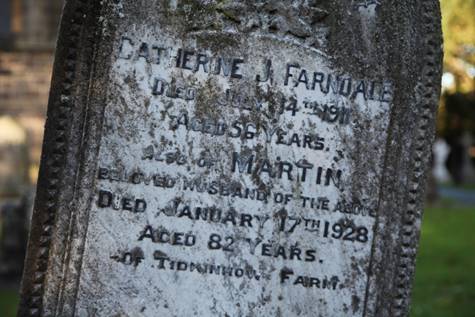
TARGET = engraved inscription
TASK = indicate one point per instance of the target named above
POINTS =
(232, 173)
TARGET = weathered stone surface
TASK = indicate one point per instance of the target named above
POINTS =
(234, 158)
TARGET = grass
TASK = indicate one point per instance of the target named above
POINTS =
(8, 303)
(445, 276)
(468, 186)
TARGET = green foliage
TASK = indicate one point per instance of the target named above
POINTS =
(458, 23)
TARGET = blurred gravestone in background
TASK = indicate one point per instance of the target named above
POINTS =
(14, 186)
(467, 166)
(441, 152)
(12, 239)
(457, 115)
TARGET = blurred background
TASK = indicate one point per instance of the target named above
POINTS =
(445, 277)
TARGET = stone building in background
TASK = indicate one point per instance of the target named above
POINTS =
(28, 30)
(29, 24)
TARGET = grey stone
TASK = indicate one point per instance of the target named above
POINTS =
(234, 158)
(14, 209)
(13, 235)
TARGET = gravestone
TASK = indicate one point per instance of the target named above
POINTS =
(468, 171)
(13, 236)
(234, 158)
(14, 188)
(441, 152)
